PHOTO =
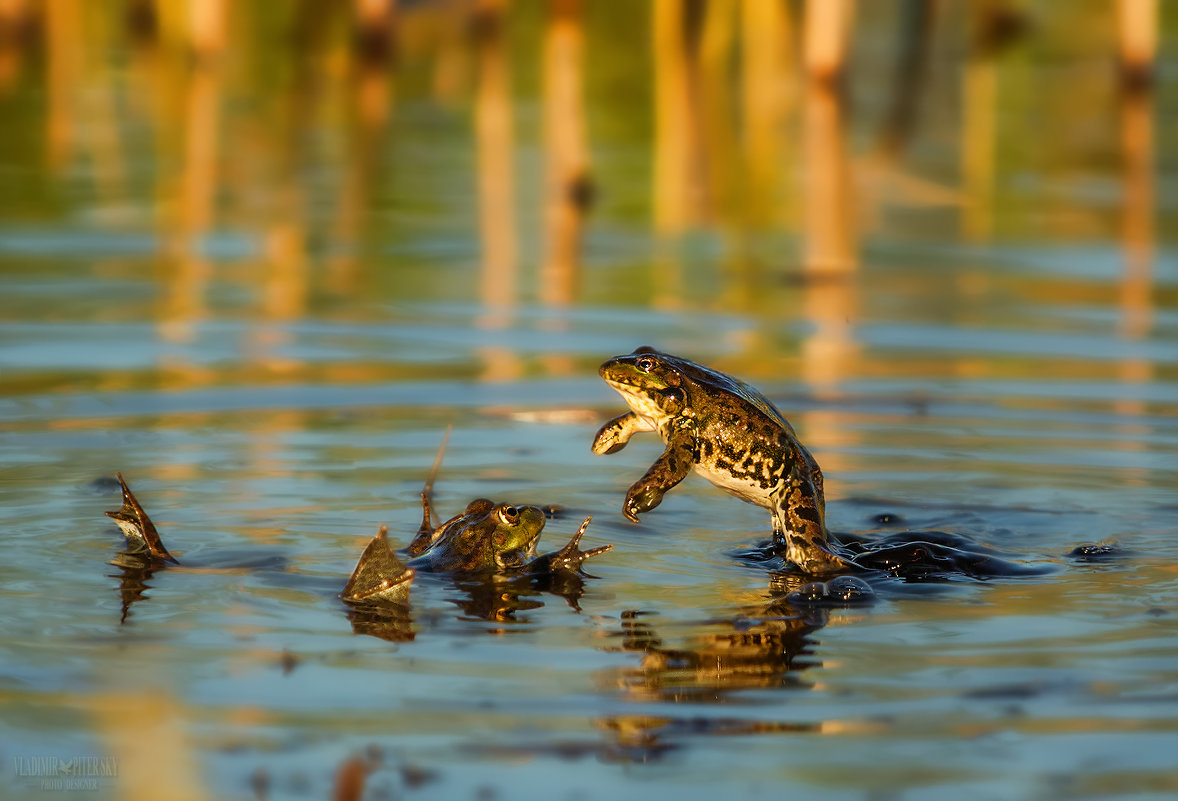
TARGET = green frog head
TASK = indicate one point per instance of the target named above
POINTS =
(487, 536)
(651, 383)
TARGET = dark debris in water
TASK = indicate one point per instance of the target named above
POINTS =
(103, 485)
(919, 556)
(839, 591)
(289, 661)
(641, 738)
(1022, 691)
(912, 556)
(1099, 552)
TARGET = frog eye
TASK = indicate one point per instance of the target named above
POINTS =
(509, 515)
(645, 364)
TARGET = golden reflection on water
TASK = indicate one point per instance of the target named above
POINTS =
(495, 132)
(569, 186)
(130, 720)
(750, 129)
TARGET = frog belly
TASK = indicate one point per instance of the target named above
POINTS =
(749, 486)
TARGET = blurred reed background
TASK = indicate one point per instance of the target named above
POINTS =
(290, 161)
(267, 126)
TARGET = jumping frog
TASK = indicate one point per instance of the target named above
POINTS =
(731, 435)
(488, 538)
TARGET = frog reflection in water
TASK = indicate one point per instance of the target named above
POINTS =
(733, 436)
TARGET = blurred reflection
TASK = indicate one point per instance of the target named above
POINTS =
(1138, 212)
(374, 32)
(829, 201)
(757, 648)
(1138, 39)
(64, 70)
(768, 93)
(719, 152)
(495, 139)
(185, 305)
(494, 599)
(135, 570)
(1138, 21)
(368, 89)
(206, 27)
(646, 738)
(386, 620)
(495, 136)
(978, 134)
(17, 32)
(994, 26)
(678, 190)
(830, 210)
(569, 187)
(915, 21)
(144, 732)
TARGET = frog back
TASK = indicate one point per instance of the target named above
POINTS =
(717, 385)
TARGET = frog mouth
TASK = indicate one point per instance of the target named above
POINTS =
(518, 557)
(626, 383)
(642, 403)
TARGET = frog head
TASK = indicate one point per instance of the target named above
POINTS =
(487, 536)
(515, 534)
(651, 382)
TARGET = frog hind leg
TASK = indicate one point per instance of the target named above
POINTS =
(570, 557)
(799, 530)
(137, 526)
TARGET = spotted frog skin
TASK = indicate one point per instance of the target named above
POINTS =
(731, 435)
(488, 538)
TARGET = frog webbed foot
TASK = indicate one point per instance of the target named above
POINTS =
(667, 471)
(570, 557)
(641, 498)
(379, 575)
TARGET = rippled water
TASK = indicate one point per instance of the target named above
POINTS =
(270, 413)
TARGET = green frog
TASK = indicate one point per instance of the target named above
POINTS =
(730, 434)
(488, 538)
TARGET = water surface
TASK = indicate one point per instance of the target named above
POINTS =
(272, 362)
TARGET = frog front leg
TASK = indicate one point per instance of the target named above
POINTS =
(614, 435)
(668, 470)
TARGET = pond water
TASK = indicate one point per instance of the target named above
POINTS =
(264, 297)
